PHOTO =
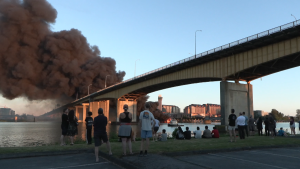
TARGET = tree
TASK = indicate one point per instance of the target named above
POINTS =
(298, 113)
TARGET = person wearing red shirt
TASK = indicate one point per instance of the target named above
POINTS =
(215, 133)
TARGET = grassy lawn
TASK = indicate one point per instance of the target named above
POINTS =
(165, 147)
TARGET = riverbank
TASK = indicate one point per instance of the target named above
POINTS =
(170, 147)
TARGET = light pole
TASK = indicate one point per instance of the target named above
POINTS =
(105, 80)
(89, 89)
(294, 17)
(195, 40)
(135, 67)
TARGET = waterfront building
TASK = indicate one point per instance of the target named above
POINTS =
(7, 114)
(258, 113)
(205, 110)
(170, 109)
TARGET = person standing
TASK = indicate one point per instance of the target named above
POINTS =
(267, 126)
(100, 123)
(271, 126)
(64, 126)
(251, 125)
(246, 124)
(259, 126)
(72, 128)
(241, 125)
(146, 129)
(125, 129)
(292, 125)
(89, 126)
(231, 126)
(155, 128)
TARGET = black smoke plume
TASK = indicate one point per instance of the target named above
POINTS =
(39, 64)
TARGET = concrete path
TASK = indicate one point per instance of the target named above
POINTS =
(281, 158)
(76, 161)
(275, 158)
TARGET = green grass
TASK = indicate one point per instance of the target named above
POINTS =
(171, 145)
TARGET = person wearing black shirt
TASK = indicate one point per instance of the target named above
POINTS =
(231, 127)
(89, 126)
(100, 123)
(64, 126)
(187, 134)
(267, 126)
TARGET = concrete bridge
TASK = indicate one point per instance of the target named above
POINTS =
(247, 59)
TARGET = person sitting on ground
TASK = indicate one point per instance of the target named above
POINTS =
(281, 132)
(164, 136)
(215, 133)
(179, 134)
(206, 133)
(187, 133)
(198, 133)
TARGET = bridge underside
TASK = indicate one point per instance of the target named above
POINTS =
(267, 68)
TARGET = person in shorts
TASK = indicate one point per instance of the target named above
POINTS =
(100, 123)
(64, 126)
(155, 129)
(231, 126)
(146, 117)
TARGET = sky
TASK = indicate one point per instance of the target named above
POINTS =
(155, 33)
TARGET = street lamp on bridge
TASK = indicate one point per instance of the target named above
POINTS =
(89, 89)
(195, 40)
(294, 17)
(105, 81)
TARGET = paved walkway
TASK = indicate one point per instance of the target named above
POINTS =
(282, 158)
(76, 161)
(275, 158)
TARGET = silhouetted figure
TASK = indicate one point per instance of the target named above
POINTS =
(267, 126)
(187, 134)
(259, 126)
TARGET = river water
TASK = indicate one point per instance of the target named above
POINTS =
(20, 134)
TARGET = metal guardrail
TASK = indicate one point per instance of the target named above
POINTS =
(238, 42)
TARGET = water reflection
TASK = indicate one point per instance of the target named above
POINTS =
(43, 133)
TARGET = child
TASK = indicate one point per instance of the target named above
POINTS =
(164, 135)
(89, 126)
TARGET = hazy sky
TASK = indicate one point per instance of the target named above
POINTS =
(162, 32)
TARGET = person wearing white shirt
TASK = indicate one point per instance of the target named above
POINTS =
(198, 133)
(240, 121)
(146, 117)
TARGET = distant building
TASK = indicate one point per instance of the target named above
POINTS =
(179, 115)
(205, 110)
(170, 109)
(258, 113)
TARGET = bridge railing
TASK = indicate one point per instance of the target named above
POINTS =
(241, 41)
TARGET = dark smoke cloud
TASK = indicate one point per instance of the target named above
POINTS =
(39, 64)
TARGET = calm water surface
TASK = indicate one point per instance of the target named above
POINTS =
(19, 134)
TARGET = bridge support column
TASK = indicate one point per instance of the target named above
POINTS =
(80, 112)
(132, 108)
(235, 96)
(100, 104)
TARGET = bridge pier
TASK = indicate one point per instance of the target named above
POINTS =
(132, 108)
(235, 96)
(81, 111)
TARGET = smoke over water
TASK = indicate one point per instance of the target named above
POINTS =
(39, 64)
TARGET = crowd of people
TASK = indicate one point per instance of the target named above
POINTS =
(148, 124)
(187, 134)
(246, 126)
(149, 127)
